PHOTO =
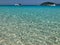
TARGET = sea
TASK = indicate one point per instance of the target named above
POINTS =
(29, 25)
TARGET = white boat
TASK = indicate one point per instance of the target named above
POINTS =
(17, 4)
(53, 5)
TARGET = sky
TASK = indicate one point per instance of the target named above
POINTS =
(26, 2)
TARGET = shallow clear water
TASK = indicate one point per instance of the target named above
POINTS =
(29, 25)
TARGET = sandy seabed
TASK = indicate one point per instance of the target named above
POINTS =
(29, 33)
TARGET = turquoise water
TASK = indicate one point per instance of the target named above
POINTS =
(29, 25)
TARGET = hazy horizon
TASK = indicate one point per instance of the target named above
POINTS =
(26, 2)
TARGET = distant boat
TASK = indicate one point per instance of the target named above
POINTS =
(17, 4)
(48, 4)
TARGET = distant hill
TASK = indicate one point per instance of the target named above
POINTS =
(48, 4)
